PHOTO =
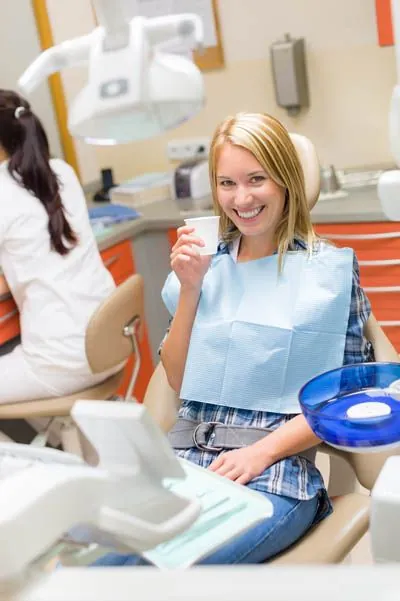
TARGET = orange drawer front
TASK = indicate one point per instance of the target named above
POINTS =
(385, 302)
(371, 241)
(393, 333)
(172, 237)
(380, 273)
(9, 320)
(119, 261)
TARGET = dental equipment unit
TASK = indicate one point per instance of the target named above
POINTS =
(141, 77)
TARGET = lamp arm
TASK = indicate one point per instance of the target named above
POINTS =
(67, 54)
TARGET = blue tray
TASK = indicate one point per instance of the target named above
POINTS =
(112, 213)
(355, 407)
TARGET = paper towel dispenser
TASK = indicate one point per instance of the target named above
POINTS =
(289, 70)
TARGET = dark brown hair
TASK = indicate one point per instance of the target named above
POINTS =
(23, 138)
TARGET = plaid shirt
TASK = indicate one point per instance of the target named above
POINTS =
(294, 476)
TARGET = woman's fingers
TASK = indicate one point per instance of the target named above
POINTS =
(233, 473)
(185, 240)
(187, 251)
(184, 229)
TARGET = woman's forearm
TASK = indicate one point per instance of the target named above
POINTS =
(175, 347)
(291, 438)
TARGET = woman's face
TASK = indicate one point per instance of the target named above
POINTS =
(245, 192)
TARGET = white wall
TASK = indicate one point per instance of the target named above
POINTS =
(70, 19)
(19, 46)
(351, 79)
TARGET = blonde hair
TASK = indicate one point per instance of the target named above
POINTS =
(269, 142)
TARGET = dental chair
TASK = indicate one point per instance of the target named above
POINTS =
(332, 540)
(111, 336)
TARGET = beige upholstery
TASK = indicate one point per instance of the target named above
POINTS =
(107, 345)
(60, 406)
(384, 350)
(332, 539)
(311, 168)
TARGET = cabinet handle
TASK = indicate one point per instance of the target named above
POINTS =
(8, 315)
(111, 261)
(380, 236)
(382, 289)
(380, 263)
(389, 324)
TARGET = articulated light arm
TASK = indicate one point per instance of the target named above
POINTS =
(67, 54)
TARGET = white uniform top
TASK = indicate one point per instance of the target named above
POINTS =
(56, 295)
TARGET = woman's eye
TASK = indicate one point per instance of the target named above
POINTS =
(256, 179)
(225, 183)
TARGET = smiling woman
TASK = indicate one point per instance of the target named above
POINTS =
(255, 192)
(249, 327)
(250, 199)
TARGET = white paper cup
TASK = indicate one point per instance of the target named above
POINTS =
(206, 228)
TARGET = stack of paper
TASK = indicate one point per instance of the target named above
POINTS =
(142, 190)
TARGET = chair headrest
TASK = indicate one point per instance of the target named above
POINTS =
(310, 163)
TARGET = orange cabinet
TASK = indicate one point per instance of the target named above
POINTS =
(120, 262)
(172, 237)
(9, 319)
(377, 246)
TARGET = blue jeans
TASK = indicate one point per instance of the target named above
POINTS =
(291, 519)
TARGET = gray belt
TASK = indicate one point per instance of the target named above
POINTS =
(214, 436)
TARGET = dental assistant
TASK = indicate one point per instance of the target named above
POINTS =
(50, 261)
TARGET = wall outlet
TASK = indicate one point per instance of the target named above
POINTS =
(188, 148)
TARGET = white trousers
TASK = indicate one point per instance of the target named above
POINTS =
(20, 381)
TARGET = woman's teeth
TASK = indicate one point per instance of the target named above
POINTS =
(249, 214)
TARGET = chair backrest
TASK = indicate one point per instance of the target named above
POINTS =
(161, 401)
(311, 167)
(105, 341)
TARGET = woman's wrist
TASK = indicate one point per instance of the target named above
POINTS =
(190, 292)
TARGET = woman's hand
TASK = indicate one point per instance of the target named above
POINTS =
(189, 266)
(242, 465)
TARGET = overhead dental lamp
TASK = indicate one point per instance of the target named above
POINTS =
(141, 78)
(389, 181)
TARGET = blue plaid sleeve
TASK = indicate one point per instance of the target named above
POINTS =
(357, 348)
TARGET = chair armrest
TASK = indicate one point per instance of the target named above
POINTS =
(383, 348)
(332, 539)
(161, 400)
(332, 451)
